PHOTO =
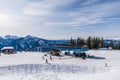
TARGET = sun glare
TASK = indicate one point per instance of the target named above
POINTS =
(4, 19)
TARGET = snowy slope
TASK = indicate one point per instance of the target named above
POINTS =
(30, 66)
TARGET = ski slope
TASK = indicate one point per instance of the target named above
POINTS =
(31, 66)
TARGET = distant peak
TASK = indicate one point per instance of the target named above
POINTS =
(112, 39)
(29, 36)
(10, 37)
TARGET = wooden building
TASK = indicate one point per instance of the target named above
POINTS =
(8, 50)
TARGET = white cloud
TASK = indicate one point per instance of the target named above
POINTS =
(46, 17)
(76, 22)
(84, 21)
(44, 8)
(83, 16)
(38, 9)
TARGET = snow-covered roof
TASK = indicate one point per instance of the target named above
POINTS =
(7, 48)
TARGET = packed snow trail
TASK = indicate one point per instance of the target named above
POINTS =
(42, 72)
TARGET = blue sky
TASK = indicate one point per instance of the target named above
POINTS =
(60, 19)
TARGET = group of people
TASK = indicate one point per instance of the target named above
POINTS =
(82, 55)
(46, 58)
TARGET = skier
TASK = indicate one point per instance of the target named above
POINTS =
(46, 61)
(105, 64)
(46, 58)
(50, 57)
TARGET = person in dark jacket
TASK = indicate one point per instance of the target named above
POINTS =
(50, 57)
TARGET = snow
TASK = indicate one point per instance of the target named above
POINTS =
(7, 48)
(10, 37)
(31, 66)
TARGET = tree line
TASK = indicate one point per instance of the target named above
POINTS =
(94, 43)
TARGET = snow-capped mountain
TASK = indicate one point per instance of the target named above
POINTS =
(28, 42)
(115, 42)
(10, 37)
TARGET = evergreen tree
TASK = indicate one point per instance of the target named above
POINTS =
(72, 41)
(98, 43)
(118, 46)
(94, 43)
(82, 42)
(78, 41)
(88, 42)
(102, 43)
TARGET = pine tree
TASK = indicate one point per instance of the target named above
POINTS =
(119, 46)
(82, 42)
(78, 41)
(88, 42)
(72, 41)
(91, 42)
(102, 42)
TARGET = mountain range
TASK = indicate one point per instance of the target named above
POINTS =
(28, 43)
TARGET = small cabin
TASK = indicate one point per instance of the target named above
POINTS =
(8, 50)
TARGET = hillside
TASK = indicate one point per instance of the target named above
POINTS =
(28, 42)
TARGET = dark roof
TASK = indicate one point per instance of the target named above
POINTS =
(68, 46)
(55, 50)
